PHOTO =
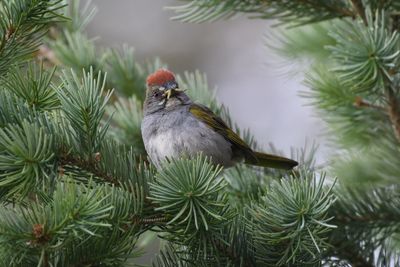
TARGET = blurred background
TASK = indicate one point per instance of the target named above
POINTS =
(260, 91)
(259, 88)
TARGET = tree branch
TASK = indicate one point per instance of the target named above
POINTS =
(359, 9)
(393, 111)
(396, 21)
(342, 12)
(154, 220)
(67, 159)
(370, 218)
(359, 102)
(350, 254)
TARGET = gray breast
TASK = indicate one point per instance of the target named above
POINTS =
(178, 133)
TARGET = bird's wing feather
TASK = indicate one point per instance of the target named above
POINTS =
(205, 115)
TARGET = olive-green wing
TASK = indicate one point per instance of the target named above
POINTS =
(205, 115)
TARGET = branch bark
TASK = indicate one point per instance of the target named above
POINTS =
(359, 102)
(342, 12)
(359, 9)
(393, 111)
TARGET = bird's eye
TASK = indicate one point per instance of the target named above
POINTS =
(156, 93)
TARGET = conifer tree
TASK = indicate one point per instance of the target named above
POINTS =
(76, 188)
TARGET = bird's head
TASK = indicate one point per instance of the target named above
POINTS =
(163, 91)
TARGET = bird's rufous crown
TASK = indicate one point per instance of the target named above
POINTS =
(160, 77)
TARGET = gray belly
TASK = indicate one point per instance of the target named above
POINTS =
(183, 138)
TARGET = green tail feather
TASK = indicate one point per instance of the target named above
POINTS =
(271, 161)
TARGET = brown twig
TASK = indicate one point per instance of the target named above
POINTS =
(359, 102)
(348, 218)
(45, 54)
(10, 32)
(393, 111)
(151, 220)
(342, 12)
(46, 262)
(359, 9)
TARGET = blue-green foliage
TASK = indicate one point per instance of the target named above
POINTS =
(76, 186)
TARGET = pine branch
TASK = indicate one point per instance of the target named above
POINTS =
(83, 104)
(287, 222)
(290, 224)
(231, 254)
(79, 14)
(75, 211)
(365, 55)
(199, 193)
(75, 50)
(363, 225)
(66, 160)
(168, 258)
(303, 43)
(125, 73)
(13, 110)
(296, 12)
(26, 157)
(118, 165)
(335, 7)
(22, 25)
(79, 224)
(351, 255)
(32, 84)
(353, 207)
(126, 117)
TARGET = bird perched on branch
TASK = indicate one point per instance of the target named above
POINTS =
(173, 126)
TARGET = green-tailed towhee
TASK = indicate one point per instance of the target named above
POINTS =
(173, 126)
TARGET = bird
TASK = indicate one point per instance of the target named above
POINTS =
(174, 126)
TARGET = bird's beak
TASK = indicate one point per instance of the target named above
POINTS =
(171, 88)
(171, 92)
(168, 93)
